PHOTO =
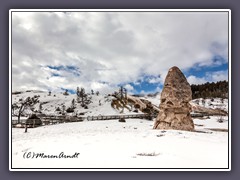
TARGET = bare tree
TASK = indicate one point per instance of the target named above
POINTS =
(123, 97)
(24, 104)
(121, 92)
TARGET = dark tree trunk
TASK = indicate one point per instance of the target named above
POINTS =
(25, 127)
(19, 114)
(82, 101)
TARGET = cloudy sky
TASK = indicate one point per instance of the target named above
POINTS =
(104, 50)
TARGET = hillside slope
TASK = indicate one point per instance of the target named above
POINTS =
(57, 103)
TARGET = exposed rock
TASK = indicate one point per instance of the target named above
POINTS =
(137, 102)
(141, 104)
(174, 107)
(207, 111)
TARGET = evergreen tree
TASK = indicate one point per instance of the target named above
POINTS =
(63, 109)
(82, 97)
(73, 105)
(210, 90)
(97, 93)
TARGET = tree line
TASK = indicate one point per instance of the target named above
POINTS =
(210, 90)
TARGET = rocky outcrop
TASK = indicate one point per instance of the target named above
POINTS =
(136, 101)
(207, 111)
(174, 107)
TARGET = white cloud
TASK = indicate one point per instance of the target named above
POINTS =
(115, 48)
(210, 77)
(217, 76)
(196, 80)
(157, 89)
(130, 89)
(154, 80)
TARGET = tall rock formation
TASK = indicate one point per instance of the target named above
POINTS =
(174, 107)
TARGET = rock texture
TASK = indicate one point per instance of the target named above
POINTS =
(174, 107)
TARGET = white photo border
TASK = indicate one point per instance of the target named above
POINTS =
(119, 10)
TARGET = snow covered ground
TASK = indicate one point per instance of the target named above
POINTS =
(112, 144)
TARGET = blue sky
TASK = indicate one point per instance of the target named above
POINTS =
(201, 72)
(101, 51)
(197, 71)
(145, 85)
(218, 64)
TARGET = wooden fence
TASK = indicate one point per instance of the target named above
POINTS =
(60, 119)
(110, 117)
(49, 120)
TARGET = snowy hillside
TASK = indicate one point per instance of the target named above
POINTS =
(213, 103)
(100, 104)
